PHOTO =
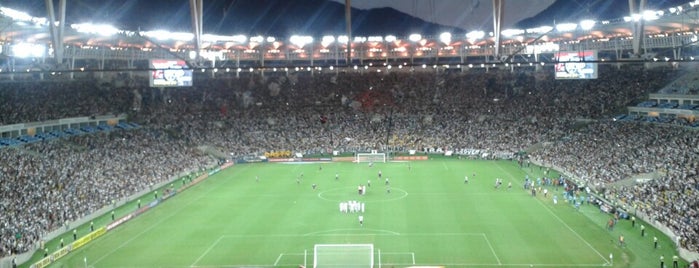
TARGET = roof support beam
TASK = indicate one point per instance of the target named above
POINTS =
(498, 13)
(348, 23)
(56, 31)
(196, 8)
(637, 26)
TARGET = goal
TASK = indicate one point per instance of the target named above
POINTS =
(370, 157)
(343, 255)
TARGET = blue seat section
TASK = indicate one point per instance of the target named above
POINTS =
(668, 105)
(58, 134)
(647, 104)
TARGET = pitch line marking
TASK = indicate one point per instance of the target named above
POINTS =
(387, 232)
(208, 250)
(564, 223)
(149, 228)
(278, 258)
(492, 249)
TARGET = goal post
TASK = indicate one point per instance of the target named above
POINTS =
(343, 255)
(370, 157)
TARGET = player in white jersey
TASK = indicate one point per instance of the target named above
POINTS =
(361, 220)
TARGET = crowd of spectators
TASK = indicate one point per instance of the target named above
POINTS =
(498, 111)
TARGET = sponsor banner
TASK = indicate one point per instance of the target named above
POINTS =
(226, 165)
(308, 159)
(89, 237)
(140, 211)
(276, 160)
(119, 222)
(322, 159)
(244, 161)
(42, 263)
(343, 159)
(214, 171)
(410, 158)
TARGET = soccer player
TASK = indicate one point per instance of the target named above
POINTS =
(675, 260)
(388, 189)
(314, 186)
(75, 234)
(337, 176)
(387, 183)
(621, 241)
(509, 186)
(655, 242)
(633, 221)
(361, 220)
(368, 183)
(379, 174)
(643, 230)
(257, 179)
(465, 179)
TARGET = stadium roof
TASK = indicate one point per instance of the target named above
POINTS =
(18, 27)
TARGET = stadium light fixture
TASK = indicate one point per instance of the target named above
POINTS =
(257, 39)
(540, 30)
(271, 39)
(475, 35)
(359, 39)
(672, 10)
(512, 32)
(300, 41)
(636, 17)
(27, 50)
(587, 24)
(15, 14)
(649, 15)
(566, 27)
(445, 37)
(327, 40)
(342, 39)
(390, 38)
(414, 37)
(99, 29)
(375, 38)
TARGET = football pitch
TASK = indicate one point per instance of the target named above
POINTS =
(270, 215)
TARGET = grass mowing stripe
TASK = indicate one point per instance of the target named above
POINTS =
(560, 220)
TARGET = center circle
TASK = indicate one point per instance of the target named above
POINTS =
(342, 194)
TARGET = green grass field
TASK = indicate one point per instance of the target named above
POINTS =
(429, 218)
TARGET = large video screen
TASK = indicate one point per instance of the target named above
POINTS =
(170, 73)
(576, 65)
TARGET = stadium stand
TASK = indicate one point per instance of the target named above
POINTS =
(502, 112)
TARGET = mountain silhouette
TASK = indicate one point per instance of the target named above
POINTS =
(563, 11)
(248, 17)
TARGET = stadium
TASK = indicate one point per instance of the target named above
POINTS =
(567, 145)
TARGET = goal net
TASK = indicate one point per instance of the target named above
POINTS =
(343, 255)
(370, 157)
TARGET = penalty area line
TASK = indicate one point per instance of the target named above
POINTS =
(207, 251)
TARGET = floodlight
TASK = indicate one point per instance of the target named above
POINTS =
(475, 35)
(359, 39)
(636, 17)
(271, 39)
(566, 27)
(445, 37)
(300, 41)
(390, 38)
(650, 15)
(673, 10)
(512, 32)
(414, 37)
(100, 29)
(257, 39)
(587, 24)
(540, 30)
(27, 50)
(375, 38)
(342, 39)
